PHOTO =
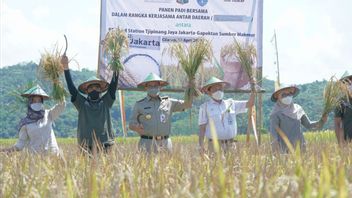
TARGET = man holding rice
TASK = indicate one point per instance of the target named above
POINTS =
(151, 116)
(217, 117)
(94, 130)
(343, 113)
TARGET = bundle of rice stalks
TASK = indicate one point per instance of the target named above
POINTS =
(51, 69)
(190, 58)
(246, 55)
(115, 45)
(333, 93)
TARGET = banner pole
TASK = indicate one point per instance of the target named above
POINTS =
(122, 112)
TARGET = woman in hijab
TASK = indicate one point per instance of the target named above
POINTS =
(288, 117)
(35, 130)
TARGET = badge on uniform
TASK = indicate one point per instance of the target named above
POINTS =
(162, 118)
(148, 116)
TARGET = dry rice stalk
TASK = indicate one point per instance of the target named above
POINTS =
(333, 93)
(51, 69)
(246, 55)
(115, 45)
(190, 58)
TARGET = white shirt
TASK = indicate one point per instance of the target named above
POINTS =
(223, 115)
(39, 137)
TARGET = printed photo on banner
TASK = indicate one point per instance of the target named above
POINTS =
(153, 26)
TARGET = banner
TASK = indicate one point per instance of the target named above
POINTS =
(152, 25)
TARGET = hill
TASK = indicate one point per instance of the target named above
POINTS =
(15, 79)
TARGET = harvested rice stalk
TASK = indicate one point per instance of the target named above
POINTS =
(51, 69)
(333, 93)
(115, 45)
(190, 58)
(246, 54)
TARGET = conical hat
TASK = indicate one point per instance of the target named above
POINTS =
(93, 80)
(283, 87)
(212, 81)
(345, 76)
(35, 91)
(152, 78)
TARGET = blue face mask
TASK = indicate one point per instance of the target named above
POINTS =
(37, 106)
(154, 91)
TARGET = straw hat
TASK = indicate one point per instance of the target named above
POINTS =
(91, 81)
(345, 76)
(213, 81)
(281, 88)
(152, 78)
(35, 91)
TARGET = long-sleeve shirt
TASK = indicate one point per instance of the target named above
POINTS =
(292, 129)
(39, 137)
(93, 117)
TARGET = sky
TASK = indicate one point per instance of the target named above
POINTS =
(314, 37)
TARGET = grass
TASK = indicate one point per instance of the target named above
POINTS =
(325, 170)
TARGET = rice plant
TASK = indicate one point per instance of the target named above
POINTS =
(115, 45)
(324, 170)
(190, 58)
(334, 93)
(50, 69)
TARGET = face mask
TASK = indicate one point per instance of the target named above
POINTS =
(154, 91)
(218, 95)
(94, 95)
(287, 100)
(37, 106)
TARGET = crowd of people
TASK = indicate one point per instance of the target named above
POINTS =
(152, 115)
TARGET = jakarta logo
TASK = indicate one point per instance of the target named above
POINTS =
(202, 2)
(182, 1)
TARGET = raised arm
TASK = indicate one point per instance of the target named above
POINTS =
(55, 112)
(113, 85)
(71, 87)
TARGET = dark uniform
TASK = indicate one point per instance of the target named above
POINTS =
(344, 111)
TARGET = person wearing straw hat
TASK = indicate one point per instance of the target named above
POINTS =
(287, 117)
(94, 130)
(36, 129)
(151, 116)
(222, 113)
(343, 113)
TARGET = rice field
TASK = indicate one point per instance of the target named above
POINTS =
(325, 170)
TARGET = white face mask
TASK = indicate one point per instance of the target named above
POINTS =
(37, 106)
(218, 95)
(287, 100)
